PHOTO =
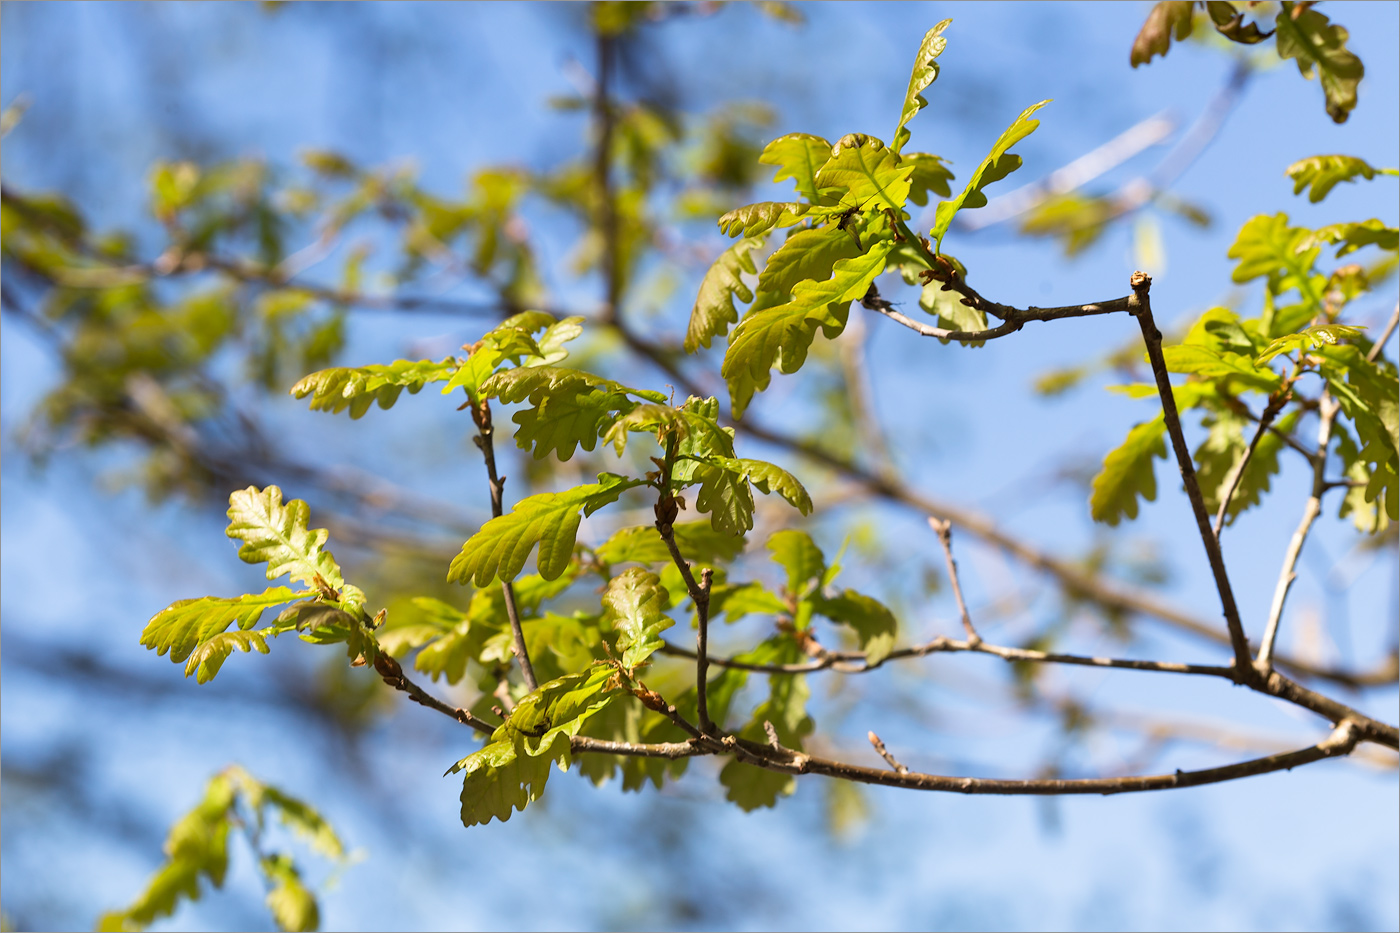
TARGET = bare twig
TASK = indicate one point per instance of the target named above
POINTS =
(885, 753)
(393, 675)
(1232, 482)
(1151, 336)
(481, 414)
(1014, 318)
(944, 529)
(1385, 335)
(1327, 413)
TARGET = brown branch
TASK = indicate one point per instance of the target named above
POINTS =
(1152, 337)
(602, 172)
(481, 414)
(1014, 318)
(1326, 414)
(1385, 335)
(944, 530)
(393, 675)
(586, 744)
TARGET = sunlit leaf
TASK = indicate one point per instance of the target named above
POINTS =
(997, 165)
(865, 174)
(1308, 36)
(1313, 337)
(799, 156)
(551, 520)
(1320, 174)
(714, 307)
(276, 534)
(924, 73)
(754, 219)
(357, 388)
(875, 626)
(1127, 474)
(698, 542)
(637, 602)
(798, 554)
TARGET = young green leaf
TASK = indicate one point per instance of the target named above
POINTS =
(735, 601)
(1268, 246)
(1308, 36)
(1167, 19)
(551, 520)
(865, 175)
(782, 334)
(187, 623)
(277, 535)
(1354, 236)
(702, 435)
(798, 554)
(952, 311)
(1312, 338)
(698, 542)
(357, 388)
(569, 407)
(1208, 364)
(931, 173)
(767, 477)
(293, 907)
(806, 255)
(637, 603)
(714, 307)
(754, 219)
(924, 73)
(1320, 174)
(725, 496)
(875, 626)
(799, 156)
(786, 710)
(1127, 474)
(512, 769)
(997, 165)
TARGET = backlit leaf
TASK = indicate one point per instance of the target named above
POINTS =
(754, 219)
(1167, 19)
(276, 534)
(551, 520)
(997, 165)
(637, 602)
(642, 544)
(714, 307)
(798, 554)
(924, 73)
(875, 626)
(1313, 337)
(931, 173)
(357, 388)
(1127, 474)
(865, 174)
(1320, 46)
(1320, 174)
(799, 156)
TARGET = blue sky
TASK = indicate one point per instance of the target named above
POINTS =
(115, 86)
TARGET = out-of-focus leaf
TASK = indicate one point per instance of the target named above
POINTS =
(798, 554)
(714, 307)
(1320, 174)
(1312, 337)
(1309, 37)
(875, 626)
(1168, 18)
(1353, 236)
(1127, 474)
(698, 542)
(357, 388)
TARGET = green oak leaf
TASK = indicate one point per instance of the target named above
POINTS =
(277, 535)
(714, 307)
(807, 255)
(865, 174)
(569, 408)
(187, 623)
(931, 173)
(1354, 236)
(1127, 474)
(1318, 46)
(1311, 338)
(997, 165)
(799, 156)
(642, 544)
(924, 73)
(875, 626)
(551, 520)
(754, 219)
(782, 334)
(798, 554)
(357, 388)
(637, 604)
(1321, 173)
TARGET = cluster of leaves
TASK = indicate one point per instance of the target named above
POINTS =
(1230, 359)
(198, 847)
(850, 227)
(1301, 33)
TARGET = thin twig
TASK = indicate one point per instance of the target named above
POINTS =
(1326, 414)
(944, 529)
(481, 414)
(885, 753)
(602, 178)
(1014, 318)
(1152, 337)
(1266, 420)
(1385, 335)
(393, 675)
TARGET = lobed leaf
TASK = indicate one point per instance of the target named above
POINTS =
(754, 219)
(931, 173)
(1209, 364)
(187, 623)
(1320, 174)
(1312, 338)
(277, 534)
(551, 520)
(924, 73)
(875, 626)
(782, 334)
(997, 165)
(799, 156)
(1354, 236)
(569, 407)
(642, 544)
(798, 554)
(1167, 19)
(1127, 474)
(1309, 37)
(767, 477)
(714, 307)
(865, 175)
(637, 603)
(357, 388)
(807, 255)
